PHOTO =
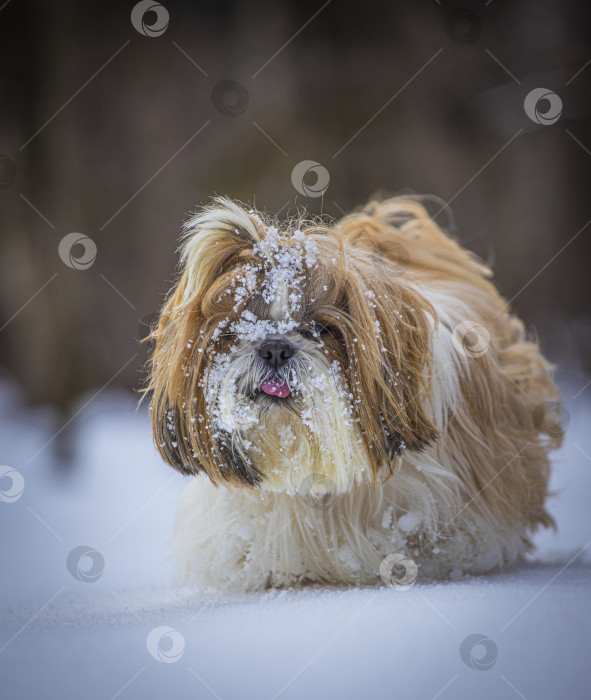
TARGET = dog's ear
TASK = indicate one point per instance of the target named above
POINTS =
(393, 367)
(212, 241)
(385, 328)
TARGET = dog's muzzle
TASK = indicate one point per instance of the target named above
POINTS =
(276, 353)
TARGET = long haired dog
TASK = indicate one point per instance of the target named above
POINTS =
(346, 398)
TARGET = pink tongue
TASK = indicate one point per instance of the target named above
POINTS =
(275, 388)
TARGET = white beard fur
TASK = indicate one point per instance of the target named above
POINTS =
(231, 539)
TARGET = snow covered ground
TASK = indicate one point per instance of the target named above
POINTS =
(100, 484)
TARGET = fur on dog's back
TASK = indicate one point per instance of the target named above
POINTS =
(506, 392)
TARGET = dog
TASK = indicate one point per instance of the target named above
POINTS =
(346, 398)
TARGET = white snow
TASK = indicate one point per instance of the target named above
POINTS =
(64, 638)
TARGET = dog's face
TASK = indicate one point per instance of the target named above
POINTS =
(286, 353)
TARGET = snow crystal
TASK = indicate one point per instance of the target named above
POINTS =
(286, 435)
(387, 518)
(409, 522)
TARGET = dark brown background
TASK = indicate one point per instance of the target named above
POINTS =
(348, 62)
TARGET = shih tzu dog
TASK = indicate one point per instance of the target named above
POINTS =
(346, 396)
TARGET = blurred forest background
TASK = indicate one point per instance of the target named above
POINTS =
(117, 133)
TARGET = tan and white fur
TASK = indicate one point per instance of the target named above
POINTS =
(340, 393)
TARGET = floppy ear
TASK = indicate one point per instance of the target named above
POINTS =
(391, 372)
(211, 242)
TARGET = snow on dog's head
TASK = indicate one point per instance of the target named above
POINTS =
(288, 351)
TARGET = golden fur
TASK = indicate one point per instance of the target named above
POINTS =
(421, 397)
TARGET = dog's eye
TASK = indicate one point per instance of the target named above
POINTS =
(313, 330)
(226, 336)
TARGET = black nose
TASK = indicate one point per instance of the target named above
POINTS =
(276, 352)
